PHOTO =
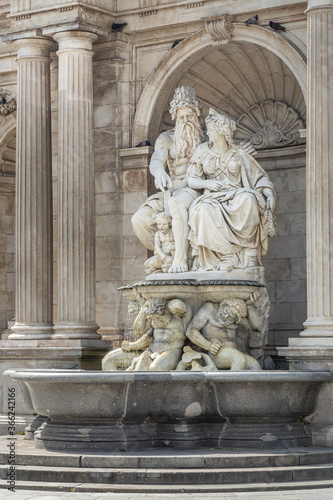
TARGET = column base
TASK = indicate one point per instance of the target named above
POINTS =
(318, 329)
(31, 332)
(76, 331)
(309, 354)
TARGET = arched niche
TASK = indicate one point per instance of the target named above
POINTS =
(8, 146)
(155, 96)
(7, 219)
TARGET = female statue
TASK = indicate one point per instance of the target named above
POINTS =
(231, 221)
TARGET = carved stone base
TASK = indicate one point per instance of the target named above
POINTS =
(195, 293)
(248, 274)
(179, 434)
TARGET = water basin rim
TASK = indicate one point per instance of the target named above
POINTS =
(100, 377)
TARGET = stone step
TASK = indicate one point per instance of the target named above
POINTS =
(171, 476)
(165, 459)
(146, 488)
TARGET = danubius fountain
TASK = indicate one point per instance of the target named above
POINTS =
(196, 374)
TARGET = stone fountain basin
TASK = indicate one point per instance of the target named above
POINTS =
(132, 410)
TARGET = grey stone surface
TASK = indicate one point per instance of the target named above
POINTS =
(148, 404)
(286, 494)
(43, 354)
(292, 291)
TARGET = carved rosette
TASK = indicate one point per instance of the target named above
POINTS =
(270, 124)
(220, 29)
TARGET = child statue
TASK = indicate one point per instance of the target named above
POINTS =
(164, 246)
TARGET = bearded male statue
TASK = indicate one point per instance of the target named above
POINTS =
(173, 150)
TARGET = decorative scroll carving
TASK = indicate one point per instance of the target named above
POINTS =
(220, 29)
(6, 107)
(270, 124)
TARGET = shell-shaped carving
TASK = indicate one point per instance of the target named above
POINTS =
(233, 79)
(270, 124)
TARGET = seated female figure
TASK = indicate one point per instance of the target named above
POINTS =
(231, 221)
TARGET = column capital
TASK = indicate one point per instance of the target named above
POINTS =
(34, 47)
(318, 4)
(74, 40)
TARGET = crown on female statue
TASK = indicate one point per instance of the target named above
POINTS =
(220, 121)
(184, 97)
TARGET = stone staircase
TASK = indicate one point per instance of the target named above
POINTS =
(156, 471)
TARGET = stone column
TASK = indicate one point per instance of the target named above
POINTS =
(319, 170)
(76, 188)
(34, 294)
(313, 351)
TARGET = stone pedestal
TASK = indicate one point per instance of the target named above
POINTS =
(76, 188)
(33, 191)
(43, 354)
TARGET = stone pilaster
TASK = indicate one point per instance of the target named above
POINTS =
(319, 170)
(76, 188)
(33, 191)
(313, 351)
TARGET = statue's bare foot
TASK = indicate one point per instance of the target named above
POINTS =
(178, 266)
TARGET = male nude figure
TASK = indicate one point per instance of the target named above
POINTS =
(214, 327)
(159, 347)
(164, 348)
(173, 150)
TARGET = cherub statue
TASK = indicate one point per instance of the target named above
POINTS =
(164, 246)
(214, 327)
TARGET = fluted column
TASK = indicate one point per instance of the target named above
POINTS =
(33, 191)
(76, 188)
(320, 170)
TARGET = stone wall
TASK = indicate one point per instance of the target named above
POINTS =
(7, 258)
(285, 262)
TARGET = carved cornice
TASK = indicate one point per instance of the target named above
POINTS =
(220, 29)
(270, 124)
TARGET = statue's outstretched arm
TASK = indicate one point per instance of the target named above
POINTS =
(158, 162)
(256, 322)
(270, 197)
(254, 319)
(141, 323)
(142, 343)
(197, 323)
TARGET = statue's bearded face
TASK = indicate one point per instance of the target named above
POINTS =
(226, 316)
(161, 320)
(188, 132)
